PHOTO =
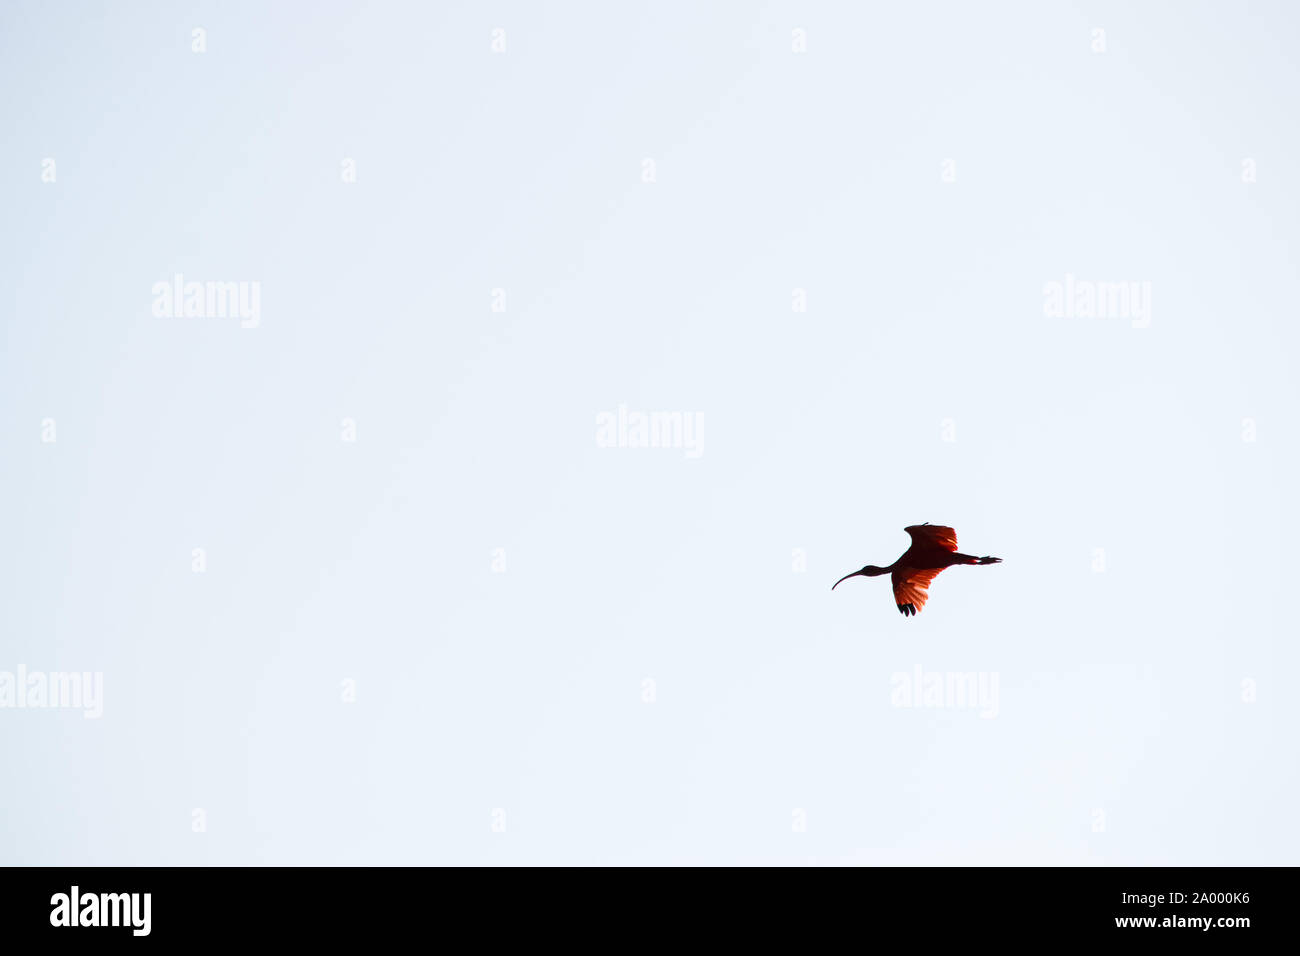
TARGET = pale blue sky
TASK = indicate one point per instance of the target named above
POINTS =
(1120, 691)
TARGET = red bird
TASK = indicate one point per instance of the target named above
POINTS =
(933, 549)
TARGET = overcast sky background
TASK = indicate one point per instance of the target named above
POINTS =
(1149, 546)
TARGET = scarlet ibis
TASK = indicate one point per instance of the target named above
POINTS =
(933, 549)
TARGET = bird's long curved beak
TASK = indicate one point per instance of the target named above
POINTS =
(845, 578)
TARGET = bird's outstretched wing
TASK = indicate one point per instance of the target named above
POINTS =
(910, 586)
(932, 535)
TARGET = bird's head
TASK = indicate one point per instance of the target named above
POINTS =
(870, 571)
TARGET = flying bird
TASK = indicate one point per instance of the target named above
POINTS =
(933, 548)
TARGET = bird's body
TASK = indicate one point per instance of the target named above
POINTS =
(934, 548)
